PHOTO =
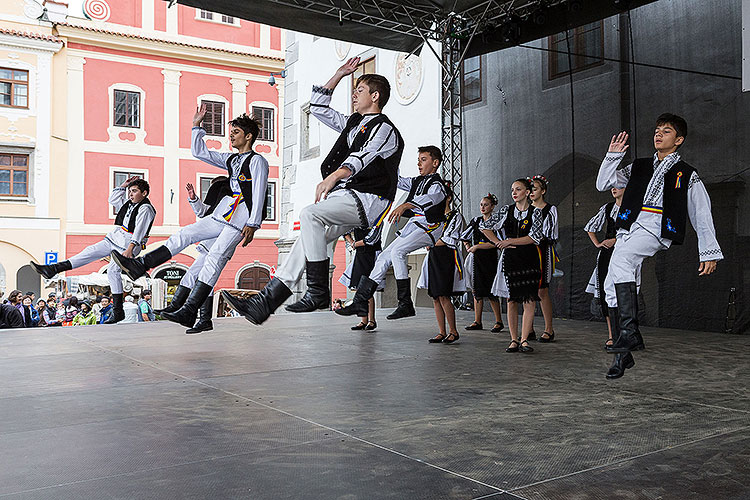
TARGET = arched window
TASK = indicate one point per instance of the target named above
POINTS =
(253, 278)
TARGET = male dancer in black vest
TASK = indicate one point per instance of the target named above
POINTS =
(135, 216)
(234, 219)
(425, 207)
(662, 192)
(359, 184)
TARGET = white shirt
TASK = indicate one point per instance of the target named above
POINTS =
(119, 236)
(132, 311)
(599, 221)
(497, 221)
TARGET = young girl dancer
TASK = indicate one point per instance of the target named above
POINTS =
(519, 269)
(442, 274)
(547, 248)
(367, 246)
(481, 265)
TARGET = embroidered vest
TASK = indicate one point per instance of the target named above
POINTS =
(435, 213)
(133, 216)
(380, 177)
(477, 236)
(515, 228)
(246, 182)
(610, 230)
(674, 214)
(216, 192)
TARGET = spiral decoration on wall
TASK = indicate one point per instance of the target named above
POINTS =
(97, 10)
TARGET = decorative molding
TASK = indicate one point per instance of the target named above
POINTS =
(118, 134)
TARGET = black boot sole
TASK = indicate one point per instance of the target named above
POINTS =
(401, 315)
(41, 270)
(235, 304)
(306, 309)
(199, 329)
(186, 322)
(350, 311)
(133, 276)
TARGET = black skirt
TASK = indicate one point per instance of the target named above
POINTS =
(483, 274)
(441, 269)
(548, 264)
(602, 266)
(364, 262)
(522, 267)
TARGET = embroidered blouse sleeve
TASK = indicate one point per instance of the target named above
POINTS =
(117, 198)
(549, 227)
(468, 233)
(404, 183)
(373, 237)
(452, 234)
(536, 232)
(609, 175)
(596, 223)
(433, 196)
(199, 208)
(259, 171)
(496, 221)
(383, 142)
(144, 219)
(699, 211)
(320, 108)
(200, 150)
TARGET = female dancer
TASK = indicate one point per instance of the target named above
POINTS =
(547, 247)
(519, 269)
(443, 276)
(366, 245)
(481, 265)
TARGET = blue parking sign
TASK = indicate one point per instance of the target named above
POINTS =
(50, 258)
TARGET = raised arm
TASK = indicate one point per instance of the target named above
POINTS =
(119, 195)
(198, 146)
(199, 208)
(609, 176)
(320, 101)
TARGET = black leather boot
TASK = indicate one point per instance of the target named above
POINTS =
(318, 294)
(49, 271)
(405, 307)
(622, 361)
(118, 314)
(627, 304)
(360, 303)
(187, 314)
(138, 266)
(204, 324)
(179, 298)
(259, 307)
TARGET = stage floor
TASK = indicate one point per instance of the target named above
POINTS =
(304, 408)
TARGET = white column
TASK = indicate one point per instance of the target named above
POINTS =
(265, 37)
(43, 131)
(75, 139)
(171, 146)
(172, 18)
(147, 14)
(239, 96)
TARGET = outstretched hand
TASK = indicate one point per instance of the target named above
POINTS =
(349, 67)
(200, 114)
(706, 267)
(619, 143)
(190, 191)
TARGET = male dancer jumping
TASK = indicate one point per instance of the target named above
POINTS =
(359, 183)
(425, 207)
(135, 216)
(662, 192)
(234, 220)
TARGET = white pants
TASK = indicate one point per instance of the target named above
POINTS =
(397, 252)
(98, 251)
(321, 224)
(191, 276)
(630, 251)
(227, 239)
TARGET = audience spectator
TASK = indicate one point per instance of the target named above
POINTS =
(97, 307)
(131, 310)
(29, 313)
(40, 306)
(106, 310)
(10, 317)
(85, 316)
(49, 315)
(71, 309)
(147, 312)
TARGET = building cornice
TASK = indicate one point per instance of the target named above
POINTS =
(29, 40)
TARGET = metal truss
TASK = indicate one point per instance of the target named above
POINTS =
(452, 119)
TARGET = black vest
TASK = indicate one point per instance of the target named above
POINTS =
(515, 228)
(435, 213)
(215, 193)
(133, 216)
(246, 182)
(610, 229)
(380, 177)
(477, 236)
(674, 215)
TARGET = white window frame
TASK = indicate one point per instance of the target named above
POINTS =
(275, 218)
(114, 130)
(216, 18)
(30, 176)
(201, 175)
(111, 181)
(223, 139)
(266, 104)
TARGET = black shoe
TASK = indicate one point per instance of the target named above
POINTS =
(474, 326)
(318, 294)
(371, 326)
(118, 314)
(405, 307)
(437, 339)
(451, 338)
(204, 324)
(260, 306)
(622, 362)
(550, 337)
(360, 326)
(629, 336)
(532, 335)
(513, 347)
(525, 347)
(51, 270)
(139, 266)
(498, 327)
(359, 306)
(187, 314)
(179, 298)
